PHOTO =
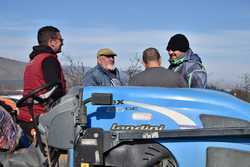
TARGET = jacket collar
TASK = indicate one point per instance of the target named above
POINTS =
(40, 49)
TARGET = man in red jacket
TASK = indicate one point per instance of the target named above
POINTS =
(43, 68)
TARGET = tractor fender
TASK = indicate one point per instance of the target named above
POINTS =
(137, 154)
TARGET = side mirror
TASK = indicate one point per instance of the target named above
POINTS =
(95, 99)
(102, 99)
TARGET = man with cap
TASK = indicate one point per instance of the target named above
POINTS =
(154, 74)
(188, 64)
(104, 73)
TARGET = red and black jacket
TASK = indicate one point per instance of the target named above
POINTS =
(43, 68)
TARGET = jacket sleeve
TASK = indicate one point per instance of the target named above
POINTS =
(52, 73)
(182, 83)
(89, 79)
(197, 76)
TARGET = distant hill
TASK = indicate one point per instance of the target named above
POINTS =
(11, 73)
(11, 69)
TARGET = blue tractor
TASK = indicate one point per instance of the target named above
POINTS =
(146, 126)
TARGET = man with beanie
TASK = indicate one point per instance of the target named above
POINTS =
(43, 68)
(104, 73)
(154, 74)
(184, 61)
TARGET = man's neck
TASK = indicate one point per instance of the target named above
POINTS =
(152, 64)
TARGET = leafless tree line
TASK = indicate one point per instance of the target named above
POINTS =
(75, 71)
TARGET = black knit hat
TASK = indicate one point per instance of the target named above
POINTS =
(178, 42)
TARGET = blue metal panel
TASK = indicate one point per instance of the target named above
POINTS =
(176, 109)
(186, 103)
(193, 153)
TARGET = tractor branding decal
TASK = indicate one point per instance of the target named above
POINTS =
(146, 127)
(183, 121)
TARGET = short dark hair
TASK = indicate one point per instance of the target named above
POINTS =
(45, 34)
(150, 54)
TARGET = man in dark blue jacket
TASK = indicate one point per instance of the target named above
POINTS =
(104, 73)
(188, 64)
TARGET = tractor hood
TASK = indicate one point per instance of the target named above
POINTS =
(148, 108)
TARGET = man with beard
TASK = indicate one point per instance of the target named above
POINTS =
(104, 73)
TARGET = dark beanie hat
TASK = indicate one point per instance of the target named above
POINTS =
(178, 42)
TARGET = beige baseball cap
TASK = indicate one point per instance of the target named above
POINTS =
(105, 52)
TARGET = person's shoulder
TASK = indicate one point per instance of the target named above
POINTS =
(93, 71)
(46, 55)
(165, 70)
(50, 57)
(193, 65)
(50, 61)
(90, 71)
(193, 58)
(136, 77)
(192, 61)
(162, 71)
(140, 74)
(90, 77)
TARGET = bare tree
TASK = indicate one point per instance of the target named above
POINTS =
(245, 85)
(134, 67)
(242, 90)
(245, 78)
(74, 71)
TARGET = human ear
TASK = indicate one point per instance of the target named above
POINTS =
(52, 43)
(160, 61)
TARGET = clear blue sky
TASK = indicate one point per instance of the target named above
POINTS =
(219, 31)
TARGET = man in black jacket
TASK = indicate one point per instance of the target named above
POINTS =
(154, 74)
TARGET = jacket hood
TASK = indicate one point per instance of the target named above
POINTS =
(40, 49)
(190, 56)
